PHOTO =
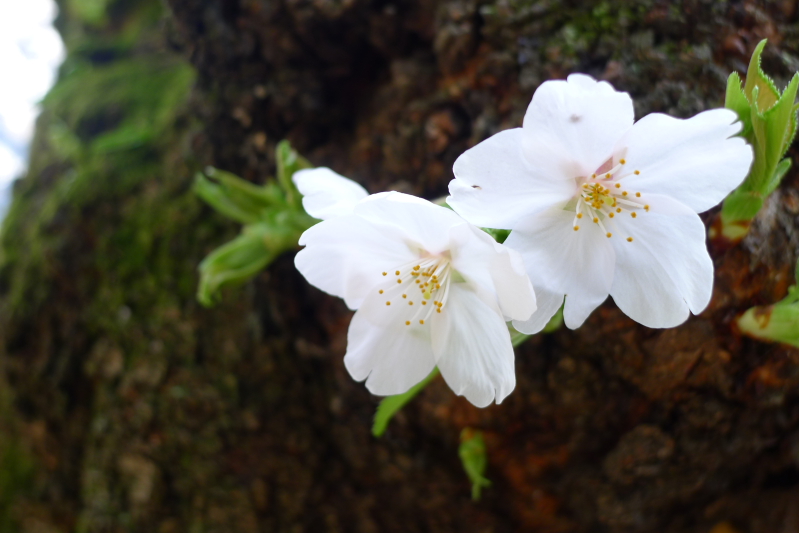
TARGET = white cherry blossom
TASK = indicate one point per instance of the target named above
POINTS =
(599, 205)
(327, 194)
(430, 290)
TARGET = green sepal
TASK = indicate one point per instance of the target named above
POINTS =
(474, 457)
(289, 162)
(234, 197)
(390, 405)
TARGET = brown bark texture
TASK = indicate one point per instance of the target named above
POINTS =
(128, 407)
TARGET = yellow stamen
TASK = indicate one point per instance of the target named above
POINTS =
(385, 273)
(622, 161)
(611, 215)
(637, 172)
(576, 228)
(381, 291)
(410, 303)
(388, 303)
(421, 321)
(596, 220)
(618, 185)
(633, 214)
(638, 195)
(404, 295)
(629, 239)
(579, 215)
(407, 322)
(609, 235)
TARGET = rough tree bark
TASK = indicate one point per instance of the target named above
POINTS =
(127, 407)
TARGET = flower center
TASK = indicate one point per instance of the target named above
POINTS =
(422, 285)
(602, 197)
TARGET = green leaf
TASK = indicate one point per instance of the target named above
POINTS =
(760, 89)
(769, 124)
(782, 168)
(289, 162)
(774, 323)
(741, 205)
(236, 198)
(390, 405)
(249, 253)
(474, 458)
(780, 123)
(736, 100)
(234, 262)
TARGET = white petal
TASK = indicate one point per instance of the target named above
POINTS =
(665, 270)
(422, 222)
(572, 126)
(560, 260)
(346, 256)
(326, 194)
(495, 185)
(472, 348)
(695, 161)
(391, 359)
(548, 304)
(496, 268)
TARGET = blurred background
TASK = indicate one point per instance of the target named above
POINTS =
(30, 52)
(126, 406)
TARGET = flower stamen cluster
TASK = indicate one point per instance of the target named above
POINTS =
(601, 197)
(431, 277)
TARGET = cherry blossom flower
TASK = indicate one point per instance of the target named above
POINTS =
(327, 194)
(430, 290)
(598, 205)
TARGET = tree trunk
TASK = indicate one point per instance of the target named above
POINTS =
(125, 406)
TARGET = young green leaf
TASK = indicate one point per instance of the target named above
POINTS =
(234, 262)
(234, 197)
(249, 253)
(472, 452)
(289, 162)
(775, 323)
(769, 124)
